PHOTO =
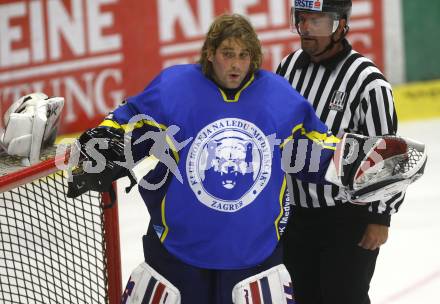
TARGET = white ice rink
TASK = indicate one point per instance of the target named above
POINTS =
(408, 267)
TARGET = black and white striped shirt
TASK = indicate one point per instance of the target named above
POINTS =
(349, 94)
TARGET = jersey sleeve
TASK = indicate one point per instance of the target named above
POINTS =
(143, 117)
(378, 117)
(378, 114)
(308, 151)
(142, 109)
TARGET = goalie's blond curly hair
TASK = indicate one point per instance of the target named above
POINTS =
(232, 26)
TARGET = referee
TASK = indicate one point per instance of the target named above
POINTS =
(331, 246)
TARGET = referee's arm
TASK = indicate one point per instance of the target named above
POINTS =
(379, 118)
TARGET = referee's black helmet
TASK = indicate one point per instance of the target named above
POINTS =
(340, 7)
(335, 9)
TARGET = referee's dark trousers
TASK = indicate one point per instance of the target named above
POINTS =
(328, 239)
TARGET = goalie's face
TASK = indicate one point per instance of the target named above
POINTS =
(230, 63)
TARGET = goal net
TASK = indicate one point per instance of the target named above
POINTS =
(55, 249)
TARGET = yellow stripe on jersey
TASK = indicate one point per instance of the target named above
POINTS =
(282, 192)
(322, 139)
(162, 211)
(237, 95)
(130, 127)
(173, 148)
(296, 128)
(111, 124)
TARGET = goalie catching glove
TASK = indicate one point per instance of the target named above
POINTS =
(31, 123)
(374, 168)
(97, 159)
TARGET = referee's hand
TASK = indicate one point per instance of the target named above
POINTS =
(375, 235)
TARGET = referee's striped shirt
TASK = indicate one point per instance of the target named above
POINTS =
(349, 94)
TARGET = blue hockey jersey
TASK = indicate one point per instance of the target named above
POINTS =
(223, 202)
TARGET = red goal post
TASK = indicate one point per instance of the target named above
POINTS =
(55, 249)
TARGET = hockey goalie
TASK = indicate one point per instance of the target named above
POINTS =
(368, 168)
(31, 123)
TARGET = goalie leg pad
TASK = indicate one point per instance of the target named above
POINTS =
(17, 138)
(146, 285)
(270, 286)
(30, 124)
(45, 127)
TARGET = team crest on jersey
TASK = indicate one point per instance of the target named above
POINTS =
(337, 101)
(229, 164)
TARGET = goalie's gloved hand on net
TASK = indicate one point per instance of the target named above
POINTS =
(98, 160)
(375, 168)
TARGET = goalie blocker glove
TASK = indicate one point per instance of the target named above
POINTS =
(31, 123)
(98, 160)
(374, 168)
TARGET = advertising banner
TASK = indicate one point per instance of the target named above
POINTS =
(96, 53)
